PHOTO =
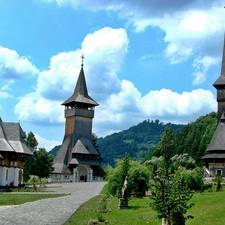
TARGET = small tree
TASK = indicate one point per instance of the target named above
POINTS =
(154, 164)
(183, 160)
(42, 164)
(170, 193)
(139, 178)
(169, 198)
(117, 178)
(218, 182)
(194, 178)
(137, 174)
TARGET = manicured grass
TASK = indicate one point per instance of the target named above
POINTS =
(17, 199)
(209, 209)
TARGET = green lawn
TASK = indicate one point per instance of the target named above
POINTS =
(17, 199)
(209, 209)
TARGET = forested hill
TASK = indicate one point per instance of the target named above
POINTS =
(195, 137)
(138, 141)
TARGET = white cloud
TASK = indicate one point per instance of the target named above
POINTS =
(55, 85)
(35, 109)
(131, 7)
(201, 67)
(191, 27)
(128, 108)
(121, 103)
(13, 66)
(47, 144)
(4, 90)
(169, 105)
(188, 33)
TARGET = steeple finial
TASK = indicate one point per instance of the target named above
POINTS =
(82, 60)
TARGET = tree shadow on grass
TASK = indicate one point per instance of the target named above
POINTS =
(134, 207)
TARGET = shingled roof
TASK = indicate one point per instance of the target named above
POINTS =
(61, 159)
(84, 146)
(81, 93)
(216, 148)
(64, 155)
(12, 138)
(217, 142)
(84, 161)
(214, 156)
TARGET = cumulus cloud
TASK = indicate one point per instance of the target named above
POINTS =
(121, 103)
(13, 66)
(129, 107)
(47, 144)
(172, 105)
(35, 109)
(4, 90)
(132, 7)
(57, 83)
(191, 27)
(201, 66)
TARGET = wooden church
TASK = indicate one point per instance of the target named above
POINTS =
(77, 159)
(215, 159)
(13, 151)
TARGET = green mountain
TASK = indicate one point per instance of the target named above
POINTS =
(138, 141)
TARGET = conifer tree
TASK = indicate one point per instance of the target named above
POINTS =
(32, 143)
(170, 194)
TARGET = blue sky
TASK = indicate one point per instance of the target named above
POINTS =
(144, 60)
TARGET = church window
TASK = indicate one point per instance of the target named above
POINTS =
(219, 172)
(6, 177)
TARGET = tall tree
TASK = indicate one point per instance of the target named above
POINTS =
(95, 143)
(166, 147)
(169, 192)
(32, 143)
(42, 165)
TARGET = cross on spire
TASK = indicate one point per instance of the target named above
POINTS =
(82, 60)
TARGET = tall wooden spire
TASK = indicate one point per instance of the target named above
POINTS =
(219, 84)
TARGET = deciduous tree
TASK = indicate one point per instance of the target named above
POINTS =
(117, 177)
(32, 143)
(170, 198)
(42, 165)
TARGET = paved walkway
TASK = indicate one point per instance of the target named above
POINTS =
(51, 211)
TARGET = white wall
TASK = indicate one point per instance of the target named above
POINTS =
(13, 176)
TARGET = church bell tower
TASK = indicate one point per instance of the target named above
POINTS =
(77, 160)
(219, 84)
(79, 109)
